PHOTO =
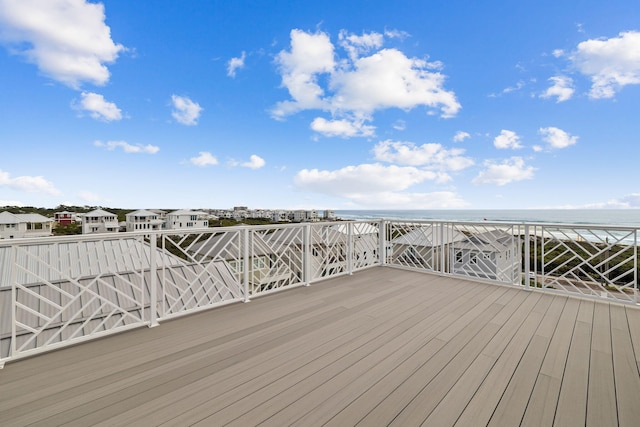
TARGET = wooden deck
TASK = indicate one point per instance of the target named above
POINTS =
(381, 347)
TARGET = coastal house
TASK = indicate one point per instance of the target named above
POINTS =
(143, 220)
(14, 226)
(279, 216)
(100, 221)
(269, 267)
(424, 246)
(303, 215)
(493, 254)
(65, 218)
(184, 219)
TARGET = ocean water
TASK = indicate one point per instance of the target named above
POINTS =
(609, 217)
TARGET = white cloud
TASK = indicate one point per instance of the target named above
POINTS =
(98, 107)
(365, 178)
(400, 125)
(127, 148)
(11, 203)
(31, 184)
(630, 201)
(204, 159)
(89, 196)
(398, 200)
(433, 156)
(461, 136)
(185, 110)
(68, 40)
(557, 138)
(342, 127)
(358, 45)
(310, 55)
(558, 53)
(610, 63)
(507, 139)
(255, 162)
(376, 185)
(235, 64)
(389, 79)
(355, 86)
(508, 171)
(562, 89)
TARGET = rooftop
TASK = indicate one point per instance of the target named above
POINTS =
(384, 346)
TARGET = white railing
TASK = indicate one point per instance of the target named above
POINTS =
(57, 291)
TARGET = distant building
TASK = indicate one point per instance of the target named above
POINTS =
(186, 219)
(279, 216)
(65, 217)
(329, 215)
(303, 216)
(143, 220)
(15, 226)
(100, 221)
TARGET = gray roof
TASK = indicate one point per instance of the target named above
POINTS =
(430, 236)
(491, 241)
(82, 258)
(110, 271)
(99, 212)
(10, 218)
(141, 212)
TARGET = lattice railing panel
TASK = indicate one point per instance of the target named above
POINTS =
(328, 251)
(208, 272)
(588, 260)
(79, 303)
(414, 245)
(276, 258)
(486, 251)
(365, 238)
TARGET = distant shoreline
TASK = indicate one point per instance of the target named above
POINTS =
(613, 217)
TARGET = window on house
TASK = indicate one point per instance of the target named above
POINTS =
(473, 259)
(236, 266)
(259, 263)
(458, 256)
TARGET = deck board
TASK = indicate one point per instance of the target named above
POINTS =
(383, 346)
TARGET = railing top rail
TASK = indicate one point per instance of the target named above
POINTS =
(141, 233)
(509, 223)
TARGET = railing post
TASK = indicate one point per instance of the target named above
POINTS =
(14, 297)
(635, 267)
(527, 256)
(350, 247)
(443, 248)
(382, 255)
(244, 243)
(306, 263)
(153, 281)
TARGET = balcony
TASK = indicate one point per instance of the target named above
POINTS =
(383, 338)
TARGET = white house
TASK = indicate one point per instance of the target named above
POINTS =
(492, 255)
(100, 221)
(14, 226)
(424, 246)
(143, 220)
(186, 219)
(279, 216)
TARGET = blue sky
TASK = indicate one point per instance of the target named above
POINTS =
(307, 104)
